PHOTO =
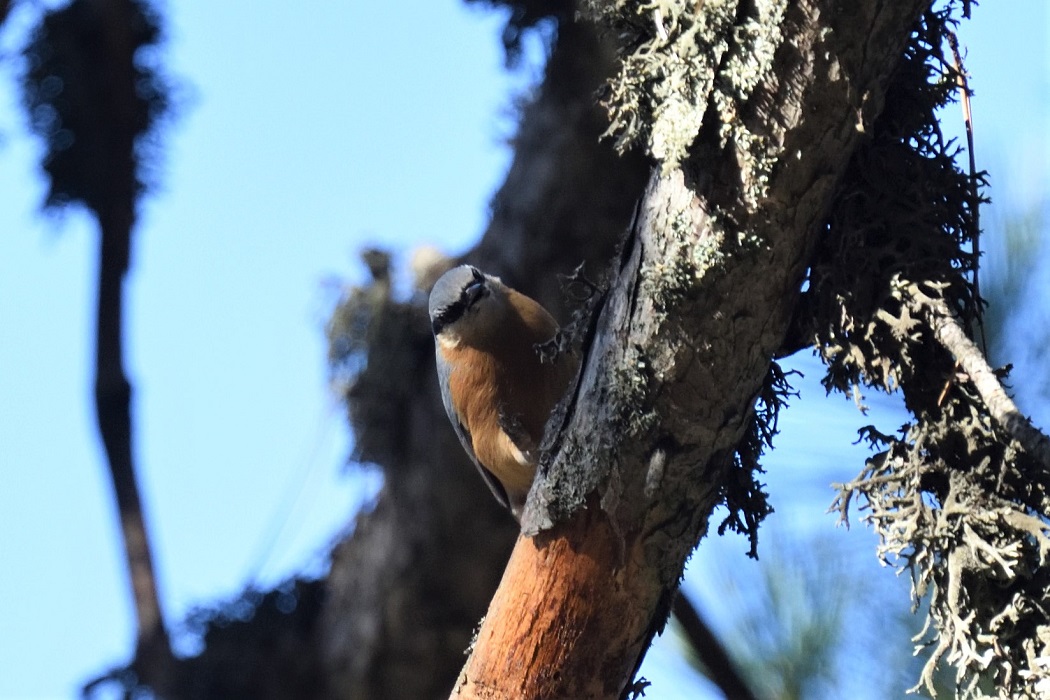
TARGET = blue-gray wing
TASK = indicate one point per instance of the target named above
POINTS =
(444, 371)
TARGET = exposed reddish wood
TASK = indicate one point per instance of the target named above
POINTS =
(559, 648)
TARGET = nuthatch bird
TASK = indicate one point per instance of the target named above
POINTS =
(497, 391)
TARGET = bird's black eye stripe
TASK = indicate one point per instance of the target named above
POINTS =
(467, 297)
(448, 315)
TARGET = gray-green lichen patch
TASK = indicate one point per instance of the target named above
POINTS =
(659, 97)
(689, 256)
(749, 60)
(634, 381)
(681, 57)
(683, 270)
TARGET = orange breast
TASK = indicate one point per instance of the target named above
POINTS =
(508, 378)
(479, 396)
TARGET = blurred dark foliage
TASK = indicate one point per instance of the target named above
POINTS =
(524, 15)
(259, 646)
(903, 213)
(93, 95)
(76, 104)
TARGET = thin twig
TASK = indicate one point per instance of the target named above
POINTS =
(947, 385)
(975, 198)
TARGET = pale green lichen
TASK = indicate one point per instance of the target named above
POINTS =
(749, 61)
(659, 97)
(672, 71)
(685, 265)
(707, 252)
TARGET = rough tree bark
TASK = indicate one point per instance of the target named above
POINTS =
(702, 301)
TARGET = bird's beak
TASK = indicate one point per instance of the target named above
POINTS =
(474, 291)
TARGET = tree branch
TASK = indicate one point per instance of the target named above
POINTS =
(709, 649)
(110, 98)
(950, 333)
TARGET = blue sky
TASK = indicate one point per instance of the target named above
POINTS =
(303, 136)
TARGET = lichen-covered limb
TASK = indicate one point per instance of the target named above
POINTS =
(950, 333)
(663, 426)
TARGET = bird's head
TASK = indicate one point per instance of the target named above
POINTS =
(466, 305)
